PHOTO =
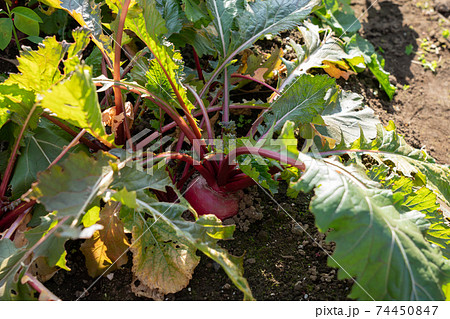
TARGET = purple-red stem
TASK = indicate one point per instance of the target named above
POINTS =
(9, 218)
(204, 112)
(122, 130)
(198, 66)
(83, 140)
(226, 97)
(68, 147)
(170, 126)
(12, 158)
(255, 80)
(209, 177)
(34, 283)
(16, 224)
(227, 165)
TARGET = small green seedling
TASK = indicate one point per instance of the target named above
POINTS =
(22, 18)
(445, 33)
(427, 64)
(409, 49)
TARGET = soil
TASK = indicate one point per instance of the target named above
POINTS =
(281, 261)
(421, 107)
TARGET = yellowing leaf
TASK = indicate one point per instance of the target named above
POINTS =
(162, 261)
(105, 251)
(335, 71)
(273, 62)
(259, 74)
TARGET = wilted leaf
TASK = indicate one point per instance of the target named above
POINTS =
(334, 71)
(169, 242)
(112, 119)
(105, 251)
(162, 261)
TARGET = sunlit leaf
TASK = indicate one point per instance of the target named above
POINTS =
(386, 254)
(75, 100)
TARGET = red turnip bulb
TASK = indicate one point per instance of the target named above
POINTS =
(206, 200)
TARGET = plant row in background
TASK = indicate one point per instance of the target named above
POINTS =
(74, 166)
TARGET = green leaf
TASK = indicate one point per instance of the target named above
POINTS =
(385, 253)
(87, 14)
(92, 215)
(195, 10)
(258, 170)
(26, 20)
(390, 146)
(408, 197)
(134, 177)
(75, 100)
(315, 51)
(83, 12)
(94, 60)
(167, 65)
(170, 230)
(52, 249)
(9, 256)
(171, 12)
(223, 13)
(359, 46)
(79, 176)
(347, 117)
(40, 149)
(270, 16)
(340, 18)
(302, 101)
(377, 68)
(200, 39)
(18, 101)
(35, 39)
(6, 26)
(74, 53)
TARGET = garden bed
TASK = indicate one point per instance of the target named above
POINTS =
(284, 255)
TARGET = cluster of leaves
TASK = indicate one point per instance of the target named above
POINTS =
(386, 218)
(24, 19)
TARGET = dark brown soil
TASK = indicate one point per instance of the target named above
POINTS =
(421, 107)
(281, 261)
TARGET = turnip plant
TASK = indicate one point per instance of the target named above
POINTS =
(94, 176)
